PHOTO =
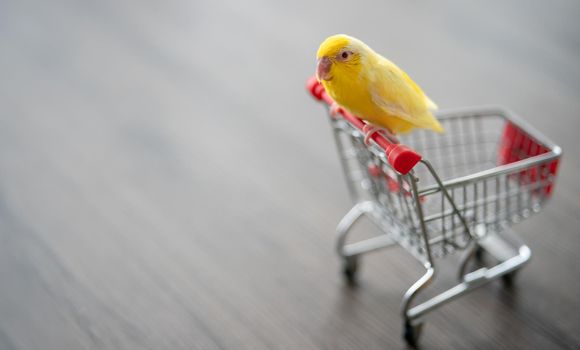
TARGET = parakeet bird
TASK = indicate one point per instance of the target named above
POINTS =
(373, 88)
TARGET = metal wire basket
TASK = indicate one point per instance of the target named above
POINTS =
(443, 193)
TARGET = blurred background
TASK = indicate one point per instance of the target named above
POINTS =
(167, 183)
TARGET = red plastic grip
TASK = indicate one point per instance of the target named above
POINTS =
(401, 157)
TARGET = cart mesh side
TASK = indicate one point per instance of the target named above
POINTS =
(493, 167)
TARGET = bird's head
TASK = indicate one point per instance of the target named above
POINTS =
(337, 54)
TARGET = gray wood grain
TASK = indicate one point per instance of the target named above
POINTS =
(166, 183)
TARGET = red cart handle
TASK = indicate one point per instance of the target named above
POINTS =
(401, 158)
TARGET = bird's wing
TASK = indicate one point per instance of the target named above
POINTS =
(393, 91)
(430, 104)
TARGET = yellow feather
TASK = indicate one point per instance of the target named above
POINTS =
(374, 88)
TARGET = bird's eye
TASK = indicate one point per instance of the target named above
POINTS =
(344, 55)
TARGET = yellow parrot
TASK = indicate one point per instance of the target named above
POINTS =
(372, 87)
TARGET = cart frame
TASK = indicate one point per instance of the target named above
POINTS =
(525, 177)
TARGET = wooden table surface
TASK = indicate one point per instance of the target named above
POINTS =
(166, 182)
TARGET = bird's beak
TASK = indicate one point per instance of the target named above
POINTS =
(323, 68)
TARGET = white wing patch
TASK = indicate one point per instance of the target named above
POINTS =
(392, 108)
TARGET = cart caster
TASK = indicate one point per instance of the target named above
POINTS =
(349, 268)
(479, 254)
(412, 333)
(509, 279)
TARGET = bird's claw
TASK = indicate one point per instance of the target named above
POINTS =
(335, 110)
(370, 130)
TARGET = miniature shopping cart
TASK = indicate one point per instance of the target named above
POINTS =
(436, 194)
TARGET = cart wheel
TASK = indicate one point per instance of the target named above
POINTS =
(349, 268)
(479, 254)
(412, 333)
(508, 279)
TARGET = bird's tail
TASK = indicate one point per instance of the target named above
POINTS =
(430, 122)
(436, 126)
(430, 104)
